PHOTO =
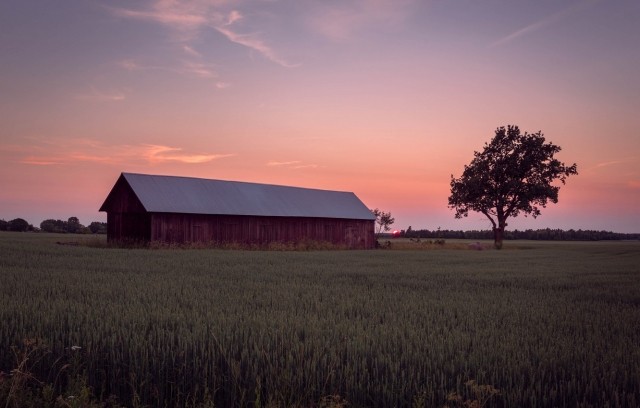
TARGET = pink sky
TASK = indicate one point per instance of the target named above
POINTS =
(384, 98)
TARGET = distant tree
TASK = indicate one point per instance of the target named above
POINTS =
(18, 224)
(98, 227)
(409, 232)
(73, 225)
(48, 225)
(4, 225)
(512, 175)
(384, 220)
(51, 225)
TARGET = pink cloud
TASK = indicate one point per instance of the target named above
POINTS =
(191, 51)
(98, 95)
(188, 68)
(39, 161)
(282, 163)
(159, 154)
(255, 43)
(198, 69)
(54, 152)
(187, 18)
(129, 65)
(292, 164)
(610, 163)
(233, 17)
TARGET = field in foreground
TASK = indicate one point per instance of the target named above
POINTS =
(547, 324)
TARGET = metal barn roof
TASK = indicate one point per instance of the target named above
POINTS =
(172, 194)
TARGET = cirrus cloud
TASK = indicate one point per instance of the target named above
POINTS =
(541, 23)
(97, 95)
(48, 152)
(342, 20)
(292, 164)
(187, 19)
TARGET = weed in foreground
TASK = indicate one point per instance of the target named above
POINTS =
(20, 387)
(480, 395)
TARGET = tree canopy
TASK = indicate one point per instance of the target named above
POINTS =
(513, 174)
(18, 224)
(384, 220)
(72, 226)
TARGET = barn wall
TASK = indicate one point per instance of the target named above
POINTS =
(126, 217)
(128, 226)
(184, 228)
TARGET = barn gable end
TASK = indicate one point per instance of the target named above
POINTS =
(127, 219)
(182, 209)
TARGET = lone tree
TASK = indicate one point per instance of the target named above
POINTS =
(513, 174)
(383, 220)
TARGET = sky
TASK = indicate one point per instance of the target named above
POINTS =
(385, 98)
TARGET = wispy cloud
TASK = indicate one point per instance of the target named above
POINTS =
(180, 19)
(292, 164)
(283, 163)
(96, 95)
(618, 162)
(537, 25)
(233, 17)
(609, 163)
(185, 18)
(191, 51)
(129, 65)
(160, 154)
(198, 69)
(188, 18)
(63, 152)
(39, 161)
(255, 43)
(342, 20)
(188, 68)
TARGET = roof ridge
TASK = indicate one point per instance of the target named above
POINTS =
(234, 181)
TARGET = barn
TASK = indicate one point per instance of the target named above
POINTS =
(142, 207)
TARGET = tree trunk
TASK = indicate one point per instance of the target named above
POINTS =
(498, 236)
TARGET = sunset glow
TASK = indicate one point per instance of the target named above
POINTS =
(385, 98)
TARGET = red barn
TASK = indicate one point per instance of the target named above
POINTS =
(144, 207)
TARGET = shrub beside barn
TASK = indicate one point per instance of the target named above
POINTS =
(173, 209)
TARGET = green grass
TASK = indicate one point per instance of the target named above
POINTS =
(549, 324)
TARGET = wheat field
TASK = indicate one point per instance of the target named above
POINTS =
(548, 324)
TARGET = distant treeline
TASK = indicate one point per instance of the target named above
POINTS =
(546, 234)
(71, 226)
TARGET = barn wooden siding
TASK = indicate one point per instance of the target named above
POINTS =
(184, 228)
(224, 229)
